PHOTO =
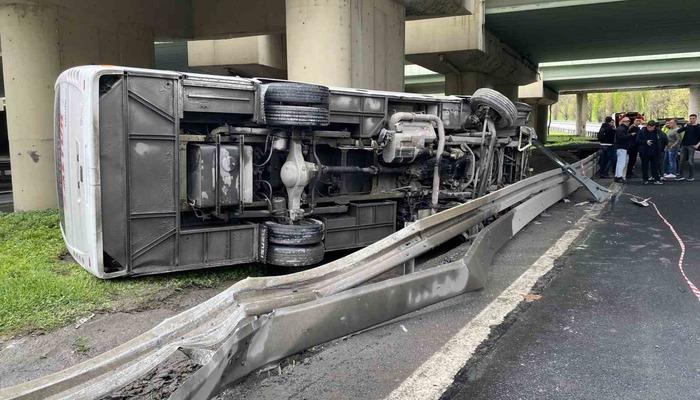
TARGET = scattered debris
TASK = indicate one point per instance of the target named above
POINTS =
(544, 214)
(565, 200)
(159, 383)
(583, 203)
(640, 202)
(537, 222)
(530, 297)
(83, 320)
(269, 367)
(403, 328)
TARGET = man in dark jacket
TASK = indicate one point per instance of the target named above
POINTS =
(689, 143)
(606, 137)
(632, 148)
(650, 145)
(622, 142)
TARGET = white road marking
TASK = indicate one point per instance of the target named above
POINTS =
(432, 378)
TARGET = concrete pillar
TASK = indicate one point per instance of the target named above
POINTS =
(29, 36)
(38, 41)
(465, 83)
(540, 97)
(540, 121)
(353, 43)
(509, 90)
(694, 101)
(581, 113)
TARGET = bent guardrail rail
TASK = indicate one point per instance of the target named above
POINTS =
(260, 320)
(599, 192)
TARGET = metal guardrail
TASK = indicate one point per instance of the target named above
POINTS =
(569, 127)
(259, 320)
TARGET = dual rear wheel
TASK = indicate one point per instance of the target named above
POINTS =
(295, 245)
(296, 104)
(292, 104)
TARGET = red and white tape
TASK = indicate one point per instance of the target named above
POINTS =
(690, 283)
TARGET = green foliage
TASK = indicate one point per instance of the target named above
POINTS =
(39, 290)
(655, 104)
(554, 140)
(81, 345)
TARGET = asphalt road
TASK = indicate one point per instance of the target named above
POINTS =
(370, 365)
(619, 320)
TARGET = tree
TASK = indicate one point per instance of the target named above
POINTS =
(654, 104)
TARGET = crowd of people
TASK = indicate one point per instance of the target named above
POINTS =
(667, 152)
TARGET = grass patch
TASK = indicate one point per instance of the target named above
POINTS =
(40, 291)
(561, 140)
(81, 345)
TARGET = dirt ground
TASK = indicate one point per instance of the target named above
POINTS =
(32, 356)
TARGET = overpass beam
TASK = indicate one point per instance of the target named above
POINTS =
(694, 101)
(356, 43)
(581, 113)
(259, 56)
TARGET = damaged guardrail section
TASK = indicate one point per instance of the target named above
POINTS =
(259, 320)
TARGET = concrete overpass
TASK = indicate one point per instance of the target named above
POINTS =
(359, 43)
(624, 73)
(589, 76)
(354, 43)
(456, 45)
(560, 30)
(644, 36)
(610, 42)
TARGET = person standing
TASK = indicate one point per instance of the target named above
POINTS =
(663, 142)
(622, 142)
(671, 151)
(632, 149)
(689, 143)
(649, 144)
(606, 137)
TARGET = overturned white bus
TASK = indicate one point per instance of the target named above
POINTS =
(162, 171)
